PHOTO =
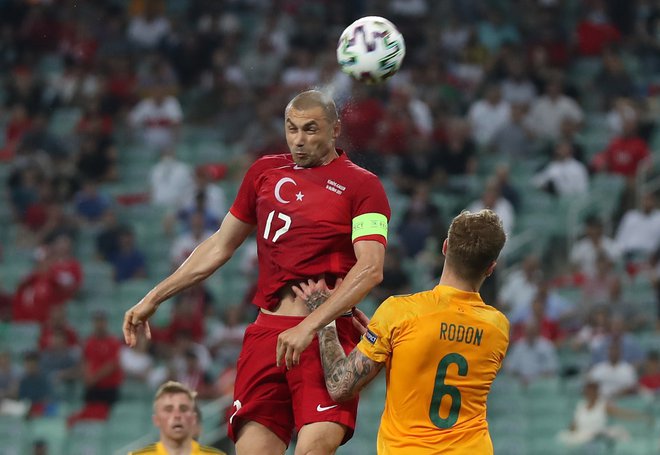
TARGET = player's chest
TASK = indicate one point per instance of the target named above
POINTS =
(316, 197)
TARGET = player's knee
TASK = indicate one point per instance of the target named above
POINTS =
(319, 448)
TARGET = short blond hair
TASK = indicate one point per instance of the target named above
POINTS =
(172, 388)
(474, 242)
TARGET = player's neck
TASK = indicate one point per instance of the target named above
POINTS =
(177, 447)
(330, 157)
(450, 279)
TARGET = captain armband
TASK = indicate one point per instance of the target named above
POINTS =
(369, 224)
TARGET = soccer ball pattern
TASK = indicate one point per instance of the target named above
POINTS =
(371, 49)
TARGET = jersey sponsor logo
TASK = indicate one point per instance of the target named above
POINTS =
(320, 408)
(335, 187)
(370, 336)
(278, 188)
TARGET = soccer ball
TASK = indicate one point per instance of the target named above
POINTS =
(371, 49)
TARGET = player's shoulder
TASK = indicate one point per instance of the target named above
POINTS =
(405, 306)
(272, 162)
(146, 450)
(209, 450)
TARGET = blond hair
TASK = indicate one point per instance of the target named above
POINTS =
(474, 242)
(172, 388)
(311, 99)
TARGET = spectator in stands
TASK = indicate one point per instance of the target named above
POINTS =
(513, 139)
(520, 286)
(195, 377)
(97, 158)
(187, 241)
(60, 362)
(495, 31)
(9, 375)
(215, 201)
(629, 347)
(584, 252)
(614, 376)
(488, 115)
(58, 221)
(502, 178)
(624, 154)
(551, 109)
(421, 221)
(532, 357)
(564, 176)
(107, 239)
(147, 30)
(649, 380)
(603, 285)
(517, 88)
(57, 323)
(492, 199)
(594, 331)
(102, 373)
(171, 180)
(548, 327)
(137, 363)
(590, 419)
(90, 203)
(157, 118)
(39, 139)
(226, 337)
(638, 233)
(456, 156)
(34, 386)
(128, 262)
(613, 81)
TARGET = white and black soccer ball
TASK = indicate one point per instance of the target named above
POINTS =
(371, 49)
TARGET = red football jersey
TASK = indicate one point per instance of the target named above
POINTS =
(304, 218)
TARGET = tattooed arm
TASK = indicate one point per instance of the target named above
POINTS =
(345, 375)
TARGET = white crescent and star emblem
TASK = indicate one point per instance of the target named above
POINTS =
(278, 187)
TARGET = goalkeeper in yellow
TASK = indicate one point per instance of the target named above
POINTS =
(441, 350)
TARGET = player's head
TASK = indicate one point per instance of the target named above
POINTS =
(312, 125)
(174, 412)
(473, 244)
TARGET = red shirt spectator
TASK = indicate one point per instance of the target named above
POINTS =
(33, 299)
(625, 153)
(101, 356)
(57, 323)
(593, 37)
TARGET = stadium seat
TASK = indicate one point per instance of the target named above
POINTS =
(12, 433)
(52, 430)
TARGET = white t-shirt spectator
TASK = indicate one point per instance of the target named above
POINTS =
(148, 34)
(486, 119)
(530, 361)
(584, 253)
(568, 176)
(639, 232)
(134, 363)
(171, 181)
(613, 379)
(157, 122)
(546, 116)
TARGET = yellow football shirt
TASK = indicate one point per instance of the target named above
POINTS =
(159, 449)
(442, 350)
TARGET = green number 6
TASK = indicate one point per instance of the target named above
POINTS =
(441, 389)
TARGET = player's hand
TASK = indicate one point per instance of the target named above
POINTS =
(291, 343)
(314, 293)
(360, 321)
(136, 320)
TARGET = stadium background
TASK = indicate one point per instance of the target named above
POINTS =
(87, 224)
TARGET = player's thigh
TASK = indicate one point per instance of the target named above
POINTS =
(255, 439)
(320, 438)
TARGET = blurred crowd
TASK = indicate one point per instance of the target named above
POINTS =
(504, 104)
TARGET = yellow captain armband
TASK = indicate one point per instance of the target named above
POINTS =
(369, 224)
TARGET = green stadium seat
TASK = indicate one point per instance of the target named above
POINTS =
(13, 432)
(52, 430)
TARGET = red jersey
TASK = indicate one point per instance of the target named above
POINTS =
(99, 352)
(305, 218)
(623, 156)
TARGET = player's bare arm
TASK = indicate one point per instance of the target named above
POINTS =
(345, 375)
(204, 260)
(358, 282)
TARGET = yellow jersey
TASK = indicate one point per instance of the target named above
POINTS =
(442, 349)
(159, 449)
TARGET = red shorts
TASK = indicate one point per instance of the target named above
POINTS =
(280, 399)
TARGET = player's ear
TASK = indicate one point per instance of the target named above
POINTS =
(444, 247)
(491, 268)
(336, 130)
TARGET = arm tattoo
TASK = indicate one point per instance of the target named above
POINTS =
(344, 375)
(316, 299)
